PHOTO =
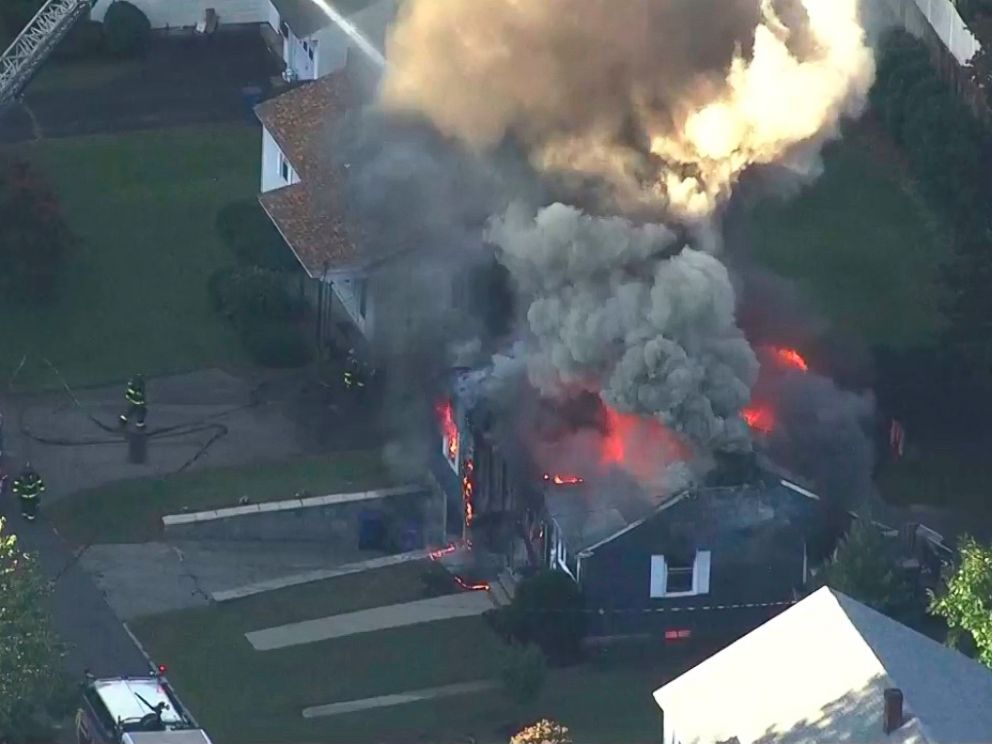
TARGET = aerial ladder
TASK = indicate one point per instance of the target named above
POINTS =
(33, 45)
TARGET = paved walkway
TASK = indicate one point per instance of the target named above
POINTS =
(318, 575)
(466, 604)
(383, 701)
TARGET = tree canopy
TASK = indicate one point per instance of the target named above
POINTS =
(966, 603)
(30, 654)
(864, 567)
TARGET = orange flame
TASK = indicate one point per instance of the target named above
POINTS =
(446, 418)
(482, 586)
(564, 480)
(789, 358)
(639, 444)
(760, 418)
(468, 492)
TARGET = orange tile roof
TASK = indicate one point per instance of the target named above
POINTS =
(308, 214)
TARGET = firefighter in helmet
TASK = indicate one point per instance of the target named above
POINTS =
(354, 375)
(28, 487)
(137, 404)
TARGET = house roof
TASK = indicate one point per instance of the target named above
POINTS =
(305, 18)
(309, 214)
(311, 226)
(815, 674)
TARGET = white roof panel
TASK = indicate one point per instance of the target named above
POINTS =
(121, 698)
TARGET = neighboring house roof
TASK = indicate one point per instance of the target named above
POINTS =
(308, 214)
(816, 673)
(305, 18)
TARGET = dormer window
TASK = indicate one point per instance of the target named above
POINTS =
(680, 576)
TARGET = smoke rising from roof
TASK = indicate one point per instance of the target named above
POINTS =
(620, 309)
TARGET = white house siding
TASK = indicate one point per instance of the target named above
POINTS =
(348, 290)
(272, 161)
(333, 43)
(173, 13)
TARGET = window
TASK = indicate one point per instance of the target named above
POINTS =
(363, 296)
(283, 29)
(672, 576)
(284, 167)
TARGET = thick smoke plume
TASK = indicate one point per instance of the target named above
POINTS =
(624, 310)
(660, 103)
(651, 110)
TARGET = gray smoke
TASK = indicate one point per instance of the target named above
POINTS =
(625, 310)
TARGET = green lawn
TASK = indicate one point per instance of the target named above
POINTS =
(134, 297)
(131, 511)
(81, 74)
(860, 244)
(243, 696)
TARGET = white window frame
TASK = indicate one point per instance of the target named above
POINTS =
(700, 576)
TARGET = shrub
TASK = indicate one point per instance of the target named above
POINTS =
(548, 611)
(252, 237)
(523, 674)
(543, 732)
(33, 236)
(274, 344)
(84, 40)
(126, 30)
(243, 294)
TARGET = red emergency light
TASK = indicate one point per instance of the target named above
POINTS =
(675, 635)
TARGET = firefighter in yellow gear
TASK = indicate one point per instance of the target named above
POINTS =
(28, 487)
(137, 404)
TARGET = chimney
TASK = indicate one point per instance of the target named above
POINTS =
(892, 716)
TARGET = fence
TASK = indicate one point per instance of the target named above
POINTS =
(952, 44)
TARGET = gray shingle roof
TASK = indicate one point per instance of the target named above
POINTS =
(815, 674)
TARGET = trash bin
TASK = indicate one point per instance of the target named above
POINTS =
(371, 531)
(410, 537)
(252, 96)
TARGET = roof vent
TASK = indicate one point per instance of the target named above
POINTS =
(892, 716)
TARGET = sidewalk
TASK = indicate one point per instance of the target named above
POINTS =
(366, 621)
(401, 698)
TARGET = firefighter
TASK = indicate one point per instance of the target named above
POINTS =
(354, 375)
(28, 487)
(137, 405)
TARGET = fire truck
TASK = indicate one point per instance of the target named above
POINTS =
(134, 710)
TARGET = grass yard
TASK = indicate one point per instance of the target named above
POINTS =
(59, 75)
(131, 511)
(242, 696)
(134, 298)
(860, 243)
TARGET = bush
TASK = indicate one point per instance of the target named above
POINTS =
(548, 611)
(84, 41)
(245, 294)
(252, 237)
(523, 674)
(277, 345)
(126, 30)
(34, 239)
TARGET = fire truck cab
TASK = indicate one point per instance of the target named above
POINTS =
(134, 710)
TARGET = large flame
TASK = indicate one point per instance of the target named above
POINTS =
(788, 357)
(449, 429)
(641, 446)
(760, 417)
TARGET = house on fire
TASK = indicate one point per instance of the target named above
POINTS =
(825, 671)
(707, 561)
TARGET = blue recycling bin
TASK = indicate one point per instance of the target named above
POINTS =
(371, 531)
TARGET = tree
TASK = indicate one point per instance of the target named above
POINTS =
(543, 732)
(966, 603)
(30, 654)
(864, 567)
(126, 29)
(14, 16)
(33, 236)
(523, 675)
(548, 611)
